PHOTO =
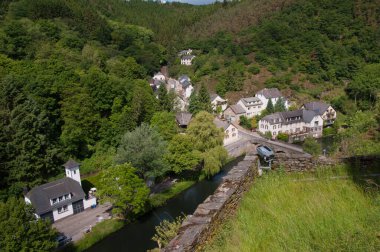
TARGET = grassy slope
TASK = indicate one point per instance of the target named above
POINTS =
(278, 214)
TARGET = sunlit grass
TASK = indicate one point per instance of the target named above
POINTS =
(159, 199)
(303, 212)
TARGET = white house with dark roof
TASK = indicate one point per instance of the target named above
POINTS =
(252, 106)
(297, 124)
(217, 101)
(186, 86)
(327, 112)
(231, 133)
(187, 60)
(273, 94)
(159, 76)
(60, 198)
(233, 113)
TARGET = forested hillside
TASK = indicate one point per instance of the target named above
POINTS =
(73, 73)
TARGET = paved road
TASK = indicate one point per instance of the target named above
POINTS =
(75, 225)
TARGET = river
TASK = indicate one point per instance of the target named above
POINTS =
(137, 236)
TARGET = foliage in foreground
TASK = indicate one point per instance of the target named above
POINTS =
(286, 213)
(20, 231)
(166, 231)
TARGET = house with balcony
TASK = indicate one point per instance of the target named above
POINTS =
(327, 112)
(252, 106)
(298, 124)
(61, 198)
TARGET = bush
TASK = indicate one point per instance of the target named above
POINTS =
(312, 146)
(268, 135)
(245, 122)
(283, 137)
(254, 69)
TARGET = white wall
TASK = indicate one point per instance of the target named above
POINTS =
(74, 174)
(88, 203)
(189, 91)
(252, 111)
(217, 100)
(58, 216)
(231, 134)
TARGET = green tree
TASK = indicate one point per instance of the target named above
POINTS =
(213, 160)
(244, 121)
(204, 132)
(194, 104)
(81, 121)
(144, 148)
(127, 193)
(21, 231)
(164, 99)
(164, 122)
(182, 154)
(204, 99)
(311, 146)
(270, 107)
(280, 105)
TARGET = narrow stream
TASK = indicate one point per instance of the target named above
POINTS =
(137, 236)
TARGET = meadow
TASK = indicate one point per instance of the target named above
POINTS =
(323, 211)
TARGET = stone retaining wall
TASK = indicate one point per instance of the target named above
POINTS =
(197, 228)
(300, 162)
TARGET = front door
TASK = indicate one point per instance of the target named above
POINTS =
(78, 206)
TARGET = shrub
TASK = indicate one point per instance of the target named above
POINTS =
(311, 146)
(283, 137)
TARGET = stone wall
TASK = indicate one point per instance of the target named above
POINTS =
(300, 162)
(197, 228)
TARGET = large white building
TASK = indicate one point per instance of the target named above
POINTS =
(273, 94)
(252, 106)
(297, 124)
(60, 198)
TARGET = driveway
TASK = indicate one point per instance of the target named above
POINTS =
(75, 225)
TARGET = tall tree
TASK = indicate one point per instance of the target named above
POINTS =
(144, 148)
(270, 107)
(280, 105)
(21, 231)
(164, 100)
(194, 105)
(204, 99)
(204, 132)
(124, 189)
(164, 122)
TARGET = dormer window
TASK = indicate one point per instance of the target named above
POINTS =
(54, 201)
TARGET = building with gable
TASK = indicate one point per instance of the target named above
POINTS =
(252, 106)
(273, 94)
(327, 112)
(61, 198)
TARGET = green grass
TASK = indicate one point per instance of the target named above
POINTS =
(159, 199)
(98, 232)
(91, 181)
(294, 213)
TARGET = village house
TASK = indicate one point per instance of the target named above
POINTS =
(231, 133)
(218, 102)
(159, 76)
(252, 106)
(273, 94)
(187, 60)
(327, 112)
(60, 198)
(186, 86)
(297, 124)
(183, 119)
(233, 113)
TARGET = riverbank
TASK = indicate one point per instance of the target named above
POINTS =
(323, 214)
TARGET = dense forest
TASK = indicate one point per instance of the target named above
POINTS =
(73, 74)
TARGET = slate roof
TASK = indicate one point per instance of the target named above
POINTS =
(183, 118)
(237, 109)
(184, 80)
(317, 106)
(213, 96)
(71, 164)
(221, 124)
(40, 195)
(270, 93)
(255, 100)
(188, 57)
(290, 117)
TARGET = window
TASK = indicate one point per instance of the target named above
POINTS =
(227, 131)
(60, 198)
(54, 201)
(75, 171)
(234, 135)
(274, 126)
(233, 129)
(67, 196)
(63, 209)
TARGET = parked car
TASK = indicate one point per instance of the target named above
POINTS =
(265, 152)
(63, 240)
